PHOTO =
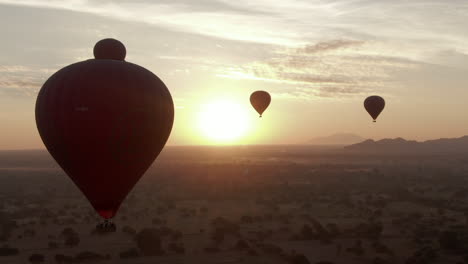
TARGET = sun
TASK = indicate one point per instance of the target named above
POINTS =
(223, 121)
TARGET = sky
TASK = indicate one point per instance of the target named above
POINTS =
(318, 59)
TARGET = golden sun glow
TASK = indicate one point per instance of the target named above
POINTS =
(224, 121)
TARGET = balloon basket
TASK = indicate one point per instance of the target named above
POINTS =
(106, 227)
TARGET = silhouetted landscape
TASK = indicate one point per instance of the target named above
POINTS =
(233, 132)
(443, 145)
(390, 201)
(337, 139)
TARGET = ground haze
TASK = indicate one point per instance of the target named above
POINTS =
(245, 204)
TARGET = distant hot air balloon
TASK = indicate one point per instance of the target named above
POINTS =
(374, 105)
(104, 121)
(260, 100)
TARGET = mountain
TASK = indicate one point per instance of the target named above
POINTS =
(337, 139)
(453, 145)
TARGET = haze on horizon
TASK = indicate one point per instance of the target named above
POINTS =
(318, 60)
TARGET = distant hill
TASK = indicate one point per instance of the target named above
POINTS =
(404, 146)
(337, 139)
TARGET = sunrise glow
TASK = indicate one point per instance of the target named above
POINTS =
(223, 121)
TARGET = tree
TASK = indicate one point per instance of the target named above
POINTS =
(177, 247)
(72, 241)
(218, 235)
(68, 231)
(88, 256)
(242, 245)
(52, 245)
(71, 237)
(307, 233)
(129, 254)
(149, 242)
(333, 229)
(36, 258)
(424, 255)
(129, 230)
(246, 219)
(213, 249)
(449, 240)
(379, 260)
(299, 259)
(158, 221)
(8, 251)
(62, 259)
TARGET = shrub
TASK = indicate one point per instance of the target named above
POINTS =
(129, 254)
(36, 258)
(8, 251)
(149, 242)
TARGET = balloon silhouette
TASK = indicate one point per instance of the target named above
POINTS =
(109, 49)
(374, 106)
(104, 121)
(260, 101)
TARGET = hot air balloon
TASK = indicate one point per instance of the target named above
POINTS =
(104, 121)
(260, 100)
(374, 106)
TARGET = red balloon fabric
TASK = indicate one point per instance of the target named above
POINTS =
(260, 101)
(104, 121)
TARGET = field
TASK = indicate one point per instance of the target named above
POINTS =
(246, 204)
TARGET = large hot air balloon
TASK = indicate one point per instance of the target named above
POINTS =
(260, 100)
(104, 121)
(374, 105)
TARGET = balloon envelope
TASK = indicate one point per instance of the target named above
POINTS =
(104, 121)
(374, 105)
(260, 101)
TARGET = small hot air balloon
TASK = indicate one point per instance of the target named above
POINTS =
(104, 121)
(374, 106)
(260, 101)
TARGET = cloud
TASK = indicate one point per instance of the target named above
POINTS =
(342, 47)
(19, 88)
(279, 22)
(220, 19)
(20, 81)
(292, 22)
(330, 46)
(327, 69)
(201, 6)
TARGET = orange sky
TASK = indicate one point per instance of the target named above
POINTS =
(318, 59)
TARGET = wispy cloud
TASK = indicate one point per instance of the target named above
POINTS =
(17, 80)
(321, 48)
(290, 22)
(237, 22)
(205, 6)
(326, 69)
(329, 46)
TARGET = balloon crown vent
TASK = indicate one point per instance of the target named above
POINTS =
(109, 49)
